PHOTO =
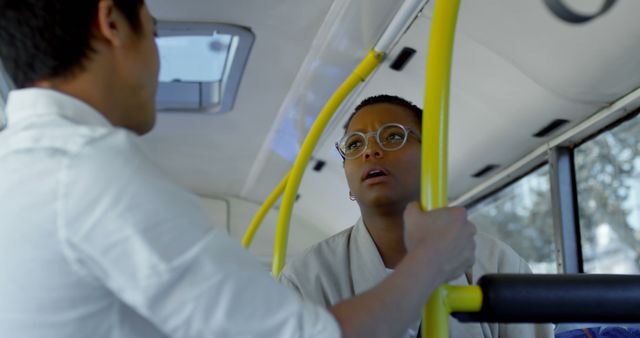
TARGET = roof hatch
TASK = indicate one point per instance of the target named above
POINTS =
(201, 66)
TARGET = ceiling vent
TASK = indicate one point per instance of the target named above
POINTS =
(550, 128)
(487, 169)
(200, 66)
(319, 165)
(402, 59)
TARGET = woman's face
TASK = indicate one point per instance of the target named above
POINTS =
(380, 178)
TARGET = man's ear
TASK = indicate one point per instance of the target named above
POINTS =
(112, 27)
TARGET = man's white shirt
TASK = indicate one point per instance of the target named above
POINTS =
(96, 242)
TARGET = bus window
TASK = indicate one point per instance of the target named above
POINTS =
(3, 118)
(520, 215)
(5, 86)
(608, 181)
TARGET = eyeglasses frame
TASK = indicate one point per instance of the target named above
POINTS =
(375, 133)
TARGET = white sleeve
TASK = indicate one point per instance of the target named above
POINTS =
(147, 240)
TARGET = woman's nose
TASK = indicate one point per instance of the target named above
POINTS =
(373, 150)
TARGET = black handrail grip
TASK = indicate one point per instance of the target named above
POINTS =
(575, 298)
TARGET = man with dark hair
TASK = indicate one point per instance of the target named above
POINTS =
(97, 243)
(55, 43)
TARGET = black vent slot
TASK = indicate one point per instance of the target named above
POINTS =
(550, 128)
(402, 59)
(319, 165)
(485, 170)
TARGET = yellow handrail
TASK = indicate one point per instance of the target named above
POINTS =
(443, 301)
(435, 127)
(262, 212)
(295, 176)
(395, 27)
(433, 193)
(464, 298)
(434, 165)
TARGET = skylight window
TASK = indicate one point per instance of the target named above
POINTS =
(207, 56)
(201, 66)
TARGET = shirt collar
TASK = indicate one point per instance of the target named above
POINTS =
(28, 103)
(367, 267)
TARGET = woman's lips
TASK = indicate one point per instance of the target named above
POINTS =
(374, 174)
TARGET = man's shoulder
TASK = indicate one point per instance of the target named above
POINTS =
(65, 138)
(109, 144)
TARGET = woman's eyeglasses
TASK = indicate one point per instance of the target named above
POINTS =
(391, 136)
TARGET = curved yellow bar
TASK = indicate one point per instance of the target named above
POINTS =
(435, 126)
(262, 212)
(284, 217)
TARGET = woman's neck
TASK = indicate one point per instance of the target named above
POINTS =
(387, 230)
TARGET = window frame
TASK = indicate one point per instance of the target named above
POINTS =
(234, 70)
(558, 152)
(633, 114)
(6, 85)
(513, 181)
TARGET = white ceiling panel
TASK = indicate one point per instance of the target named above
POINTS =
(213, 154)
(516, 68)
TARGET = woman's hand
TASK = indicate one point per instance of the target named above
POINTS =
(444, 234)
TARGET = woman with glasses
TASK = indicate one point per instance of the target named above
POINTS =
(381, 151)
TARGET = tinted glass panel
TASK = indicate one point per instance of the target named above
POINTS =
(520, 215)
(608, 178)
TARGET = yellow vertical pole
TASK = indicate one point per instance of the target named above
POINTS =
(435, 142)
(436, 315)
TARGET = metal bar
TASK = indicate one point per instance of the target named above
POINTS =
(399, 23)
(564, 202)
(551, 298)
